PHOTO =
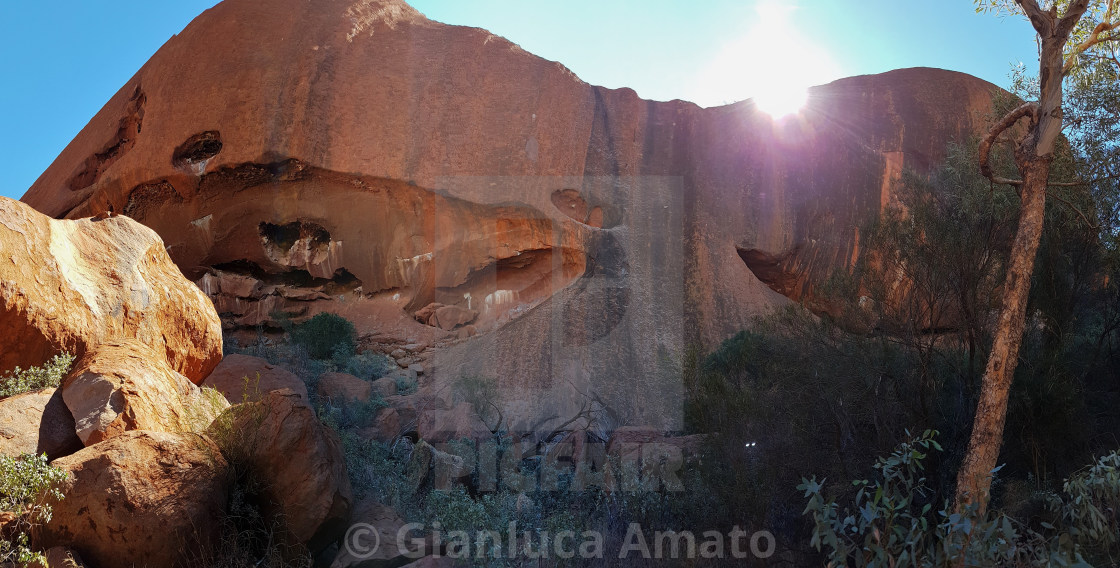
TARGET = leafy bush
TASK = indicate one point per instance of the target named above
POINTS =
(406, 385)
(47, 376)
(27, 486)
(367, 366)
(897, 521)
(325, 336)
(350, 414)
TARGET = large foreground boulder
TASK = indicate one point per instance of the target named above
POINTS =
(242, 378)
(70, 285)
(140, 499)
(122, 386)
(37, 422)
(298, 461)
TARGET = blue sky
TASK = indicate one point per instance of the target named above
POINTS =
(65, 58)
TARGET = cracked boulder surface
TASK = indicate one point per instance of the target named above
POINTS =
(356, 157)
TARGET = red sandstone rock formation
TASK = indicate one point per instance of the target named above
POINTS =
(289, 152)
(150, 497)
(73, 285)
(310, 496)
(242, 378)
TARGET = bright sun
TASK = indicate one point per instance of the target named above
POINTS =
(781, 99)
(772, 63)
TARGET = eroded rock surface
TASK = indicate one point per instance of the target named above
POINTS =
(310, 495)
(150, 497)
(121, 386)
(242, 378)
(37, 422)
(71, 285)
(361, 159)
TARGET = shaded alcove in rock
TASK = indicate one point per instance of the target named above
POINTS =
(773, 270)
(197, 149)
(128, 129)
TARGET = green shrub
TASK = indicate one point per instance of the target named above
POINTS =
(28, 485)
(406, 385)
(326, 336)
(380, 471)
(897, 521)
(350, 414)
(49, 375)
(367, 366)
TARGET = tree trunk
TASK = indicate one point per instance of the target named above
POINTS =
(1033, 158)
(974, 478)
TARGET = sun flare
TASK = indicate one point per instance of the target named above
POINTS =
(773, 63)
(781, 99)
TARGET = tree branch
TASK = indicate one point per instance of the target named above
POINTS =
(1073, 15)
(1041, 20)
(1080, 213)
(1094, 39)
(1023, 110)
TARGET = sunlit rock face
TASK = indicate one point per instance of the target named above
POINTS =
(356, 157)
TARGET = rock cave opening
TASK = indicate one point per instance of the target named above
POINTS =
(772, 270)
(197, 149)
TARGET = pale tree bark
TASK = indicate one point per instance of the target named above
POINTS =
(1032, 157)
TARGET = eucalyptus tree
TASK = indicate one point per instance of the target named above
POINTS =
(1072, 34)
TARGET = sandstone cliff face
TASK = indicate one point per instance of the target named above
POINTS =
(353, 156)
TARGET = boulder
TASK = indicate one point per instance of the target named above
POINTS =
(385, 386)
(37, 422)
(437, 425)
(238, 285)
(386, 427)
(410, 406)
(71, 285)
(343, 387)
(122, 386)
(263, 377)
(151, 497)
(446, 317)
(450, 317)
(302, 294)
(298, 461)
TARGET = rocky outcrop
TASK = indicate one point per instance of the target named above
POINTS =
(595, 234)
(310, 495)
(71, 285)
(242, 378)
(37, 422)
(149, 497)
(121, 386)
